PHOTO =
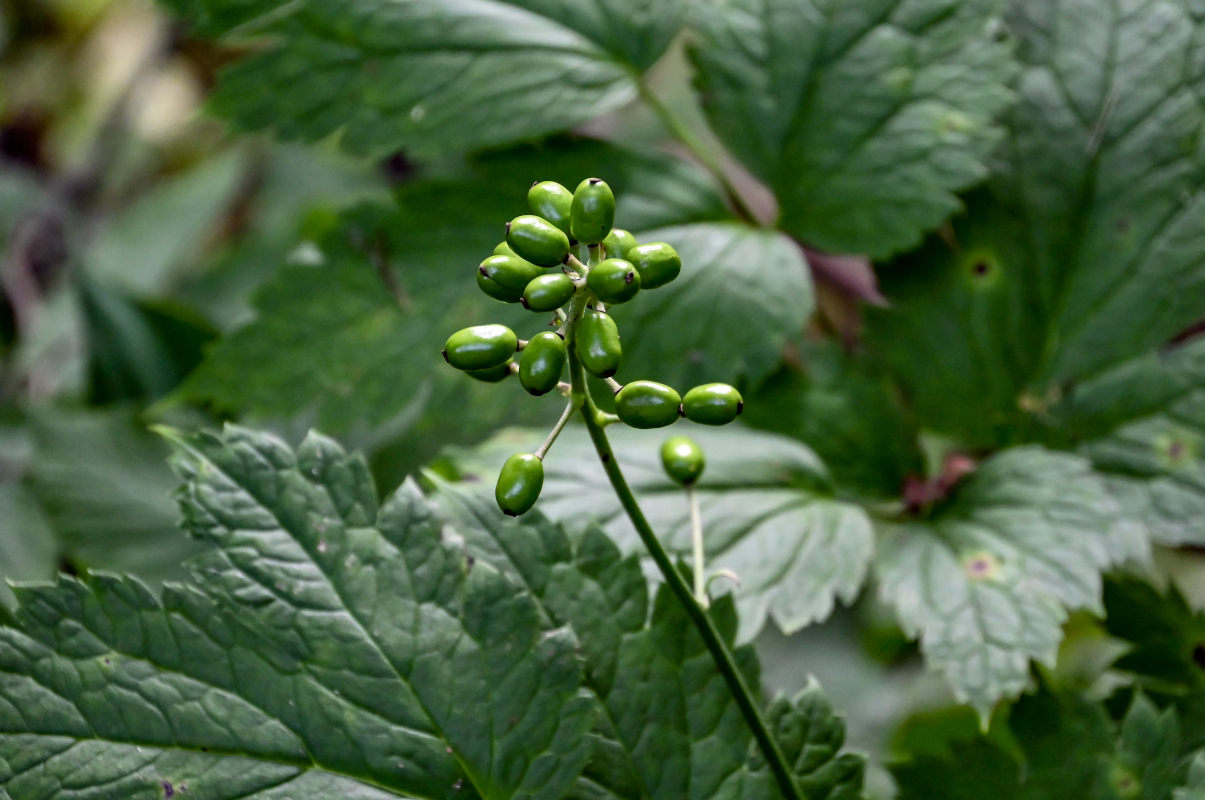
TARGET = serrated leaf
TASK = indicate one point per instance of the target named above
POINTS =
(742, 295)
(1143, 425)
(328, 335)
(329, 647)
(1166, 653)
(987, 580)
(847, 412)
(865, 117)
(104, 489)
(434, 76)
(671, 727)
(1085, 249)
(767, 509)
(1068, 747)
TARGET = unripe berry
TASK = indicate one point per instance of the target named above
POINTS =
(480, 347)
(647, 404)
(712, 404)
(682, 459)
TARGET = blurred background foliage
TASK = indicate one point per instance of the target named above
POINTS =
(160, 268)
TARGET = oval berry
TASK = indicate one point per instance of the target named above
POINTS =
(548, 292)
(552, 201)
(541, 363)
(613, 280)
(647, 404)
(510, 272)
(682, 459)
(480, 347)
(618, 242)
(593, 211)
(503, 249)
(519, 483)
(712, 404)
(537, 240)
(657, 262)
(496, 290)
(596, 343)
(491, 374)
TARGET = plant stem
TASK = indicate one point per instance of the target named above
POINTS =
(696, 541)
(719, 650)
(555, 432)
(706, 157)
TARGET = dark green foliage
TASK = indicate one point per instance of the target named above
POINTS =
(949, 254)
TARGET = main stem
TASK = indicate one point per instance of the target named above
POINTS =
(724, 661)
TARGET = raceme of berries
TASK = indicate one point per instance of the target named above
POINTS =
(567, 259)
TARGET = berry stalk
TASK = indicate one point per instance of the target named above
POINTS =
(714, 642)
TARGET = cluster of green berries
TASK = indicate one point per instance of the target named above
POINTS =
(541, 265)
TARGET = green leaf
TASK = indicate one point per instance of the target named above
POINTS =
(847, 412)
(671, 728)
(1195, 788)
(1143, 425)
(27, 547)
(1069, 748)
(329, 336)
(1166, 655)
(742, 295)
(651, 190)
(137, 351)
(987, 580)
(1086, 247)
(434, 76)
(328, 648)
(767, 508)
(864, 118)
(105, 490)
(143, 248)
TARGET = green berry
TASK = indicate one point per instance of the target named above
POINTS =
(613, 280)
(492, 374)
(553, 202)
(597, 343)
(548, 292)
(647, 404)
(541, 363)
(519, 483)
(537, 240)
(480, 347)
(712, 404)
(657, 262)
(510, 272)
(618, 242)
(497, 290)
(682, 459)
(593, 211)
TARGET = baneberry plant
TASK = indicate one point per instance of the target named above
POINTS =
(944, 258)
